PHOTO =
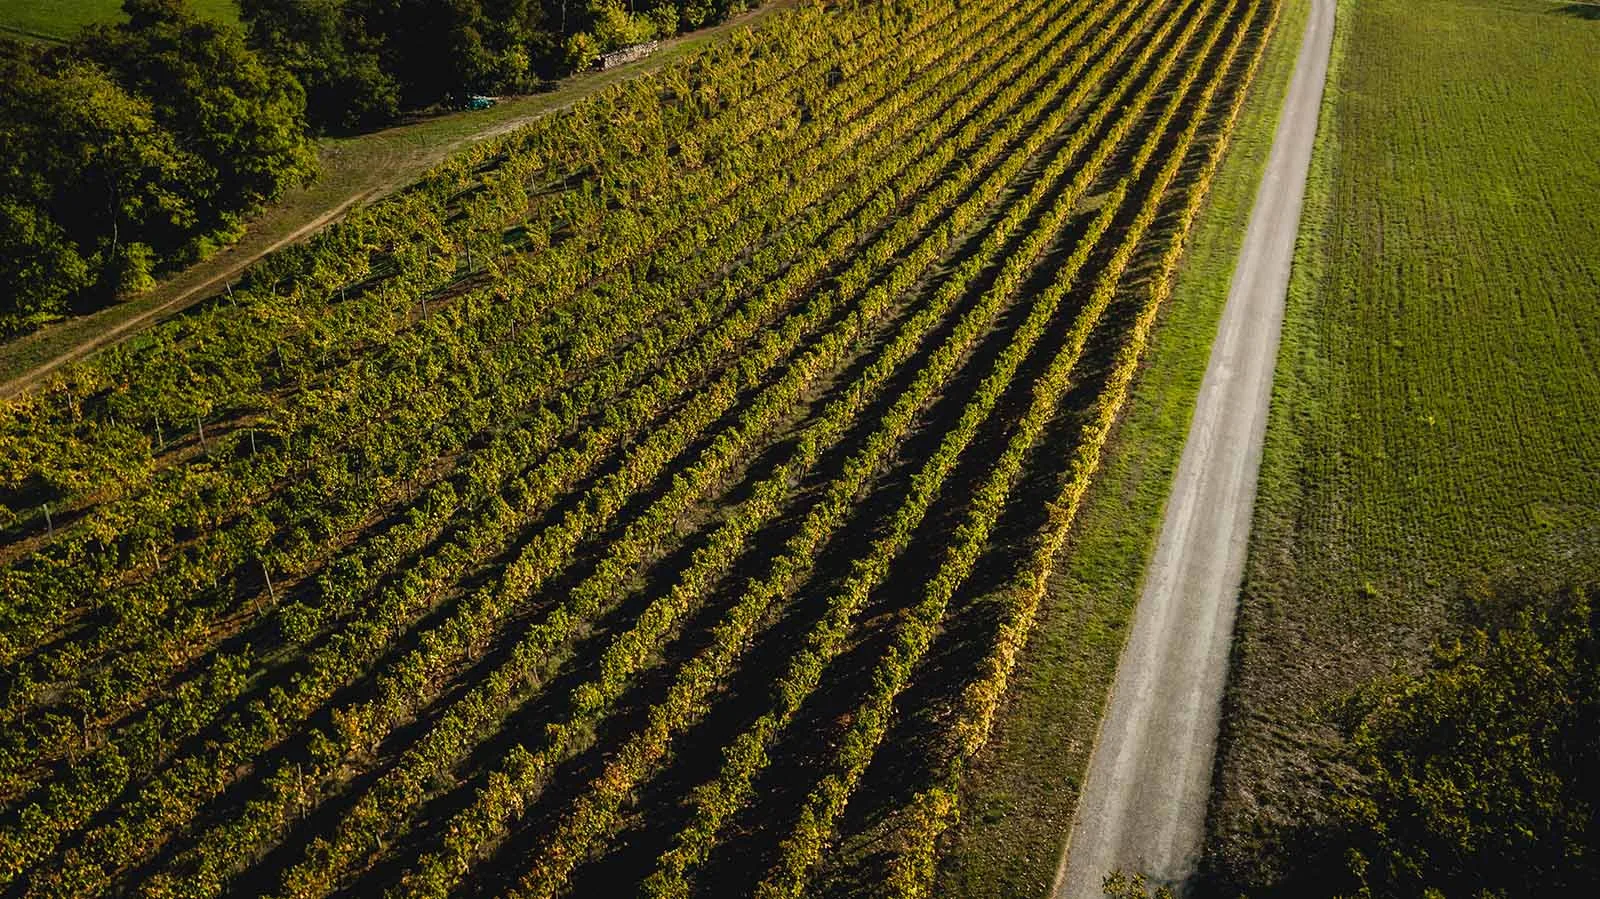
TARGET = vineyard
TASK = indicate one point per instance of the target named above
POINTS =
(592, 517)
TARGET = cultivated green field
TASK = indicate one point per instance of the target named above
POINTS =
(60, 18)
(1436, 421)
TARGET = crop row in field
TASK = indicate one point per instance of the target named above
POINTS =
(560, 524)
(1017, 794)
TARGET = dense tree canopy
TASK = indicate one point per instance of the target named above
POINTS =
(131, 146)
(1479, 776)
(332, 54)
(242, 117)
(362, 61)
(89, 174)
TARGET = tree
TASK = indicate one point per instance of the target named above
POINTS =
(330, 51)
(90, 176)
(1479, 776)
(131, 146)
(243, 117)
(40, 268)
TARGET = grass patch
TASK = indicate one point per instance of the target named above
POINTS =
(1019, 798)
(60, 19)
(1437, 401)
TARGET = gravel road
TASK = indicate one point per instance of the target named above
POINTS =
(1144, 804)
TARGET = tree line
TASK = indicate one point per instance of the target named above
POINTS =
(363, 61)
(145, 145)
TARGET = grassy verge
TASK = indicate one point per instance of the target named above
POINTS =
(59, 19)
(354, 171)
(1019, 798)
(1437, 403)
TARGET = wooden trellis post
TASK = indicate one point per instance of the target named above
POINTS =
(271, 593)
